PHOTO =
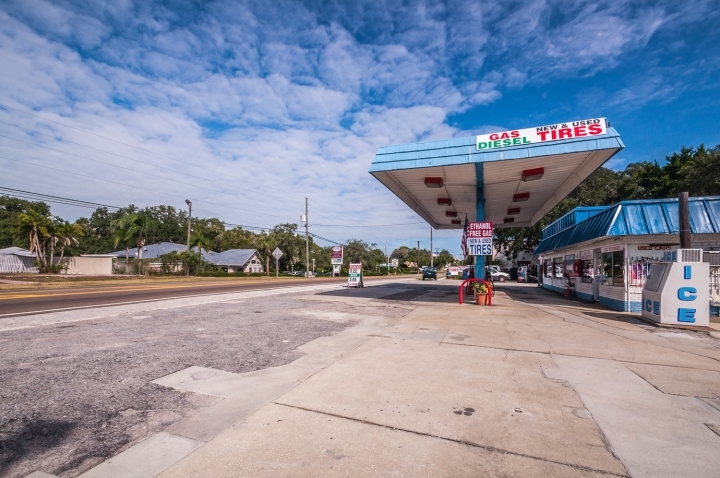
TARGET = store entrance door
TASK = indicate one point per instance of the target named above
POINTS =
(598, 275)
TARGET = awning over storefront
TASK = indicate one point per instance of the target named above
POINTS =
(511, 178)
(634, 218)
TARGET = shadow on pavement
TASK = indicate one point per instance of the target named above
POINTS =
(431, 291)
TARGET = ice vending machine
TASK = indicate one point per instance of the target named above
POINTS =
(676, 291)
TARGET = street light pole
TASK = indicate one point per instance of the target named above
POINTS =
(418, 257)
(307, 242)
(187, 201)
(431, 256)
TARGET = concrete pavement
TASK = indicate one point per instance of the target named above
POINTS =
(533, 386)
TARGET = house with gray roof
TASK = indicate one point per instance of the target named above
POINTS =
(151, 251)
(236, 260)
(17, 260)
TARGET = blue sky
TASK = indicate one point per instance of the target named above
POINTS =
(248, 107)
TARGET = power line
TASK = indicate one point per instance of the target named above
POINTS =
(55, 199)
(119, 183)
(128, 169)
(204, 168)
(62, 140)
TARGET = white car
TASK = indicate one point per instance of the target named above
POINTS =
(497, 275)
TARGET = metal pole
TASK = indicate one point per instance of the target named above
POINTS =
(431, 256)
(277, 274)
(418, 257)
(187, 201)
(387, 262)
(313, 267)
(684, 213)
(307, 241)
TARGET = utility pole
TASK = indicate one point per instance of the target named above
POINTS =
(387, 262)
(684, 220)
(187, 201)
(431, 256)
(418, 257)
(307, 242)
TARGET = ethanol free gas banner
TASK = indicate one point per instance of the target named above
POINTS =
(543, 134)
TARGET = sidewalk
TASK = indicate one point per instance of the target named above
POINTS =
(533, 386)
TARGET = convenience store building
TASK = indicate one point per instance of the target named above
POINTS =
(607, 251)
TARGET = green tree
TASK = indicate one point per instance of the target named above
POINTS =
(124, 230)
(10, 209)
(237, 238)
(444, 258)
(36, 225)
(68, 234)
(700, 176)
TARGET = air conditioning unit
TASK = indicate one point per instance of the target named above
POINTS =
(690, 255)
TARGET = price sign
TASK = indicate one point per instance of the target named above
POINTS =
(395, 262)
(355, 275)
(336, 255)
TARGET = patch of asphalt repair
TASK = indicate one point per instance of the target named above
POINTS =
(74, 394)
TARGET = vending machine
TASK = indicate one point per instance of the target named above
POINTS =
(677, 290)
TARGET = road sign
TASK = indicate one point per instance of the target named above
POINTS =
(355, 275)
(277, 254)
(395, 262)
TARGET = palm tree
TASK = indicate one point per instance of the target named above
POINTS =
(144, 224)
(36, 225)
(202, 242)
(52, 239)
(68, 234)
(124, 229)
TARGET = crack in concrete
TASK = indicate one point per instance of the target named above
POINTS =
(459, 442)
(579, 356)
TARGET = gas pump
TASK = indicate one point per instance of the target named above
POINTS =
(676, 291)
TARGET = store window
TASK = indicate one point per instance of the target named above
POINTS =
(548, 268)
(588, 270)
(569, 265)
(558, 267)
(613, 268)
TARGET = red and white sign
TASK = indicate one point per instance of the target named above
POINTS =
(480, 229)
(355, 275)
(336, 255)
(479, 239)
(542, 134)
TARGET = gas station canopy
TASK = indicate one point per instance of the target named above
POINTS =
(511, 178)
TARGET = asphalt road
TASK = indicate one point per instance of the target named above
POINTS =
(26, 301)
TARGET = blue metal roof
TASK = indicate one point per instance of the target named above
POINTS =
(575, 216)
(231, 257)
(638, 217)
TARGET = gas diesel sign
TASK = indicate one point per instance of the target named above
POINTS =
(543, 134)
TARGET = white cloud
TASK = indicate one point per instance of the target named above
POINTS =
(279, 101)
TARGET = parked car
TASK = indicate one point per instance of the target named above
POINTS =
(497, 275)
(429, 273)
